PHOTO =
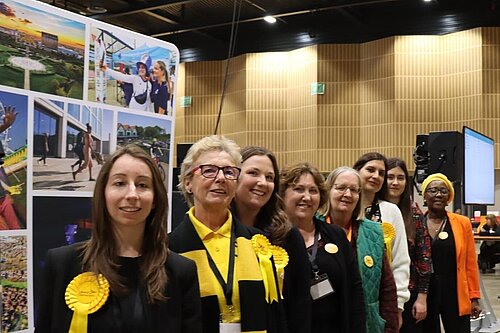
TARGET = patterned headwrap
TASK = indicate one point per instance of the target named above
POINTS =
(444, 179)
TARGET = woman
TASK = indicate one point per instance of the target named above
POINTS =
(372, 168)
(336, 290)
(487, 257)
(87, 154)
(45, 149)
(236, 296)
(454, 288)
(419, 244)
(160, 94)
(257, 203)
(150, 288)
(343, 209)
(141, 97)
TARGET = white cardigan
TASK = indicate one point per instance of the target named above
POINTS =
(400, 257)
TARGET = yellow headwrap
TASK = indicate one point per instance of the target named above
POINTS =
(444, 179)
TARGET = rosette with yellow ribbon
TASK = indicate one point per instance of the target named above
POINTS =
(281, 259)
(85, 294)
(389, 235)
(262, 248)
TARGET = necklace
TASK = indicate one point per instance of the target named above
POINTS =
(439, 226)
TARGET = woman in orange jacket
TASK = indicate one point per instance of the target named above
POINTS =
(452, 237)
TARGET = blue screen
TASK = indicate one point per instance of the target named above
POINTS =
(479, 168)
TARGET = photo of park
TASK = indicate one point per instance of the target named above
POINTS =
(153, 134)
(13, 284)
(41, 51)
(115, 73)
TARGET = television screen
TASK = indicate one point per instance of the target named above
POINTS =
(479, 168)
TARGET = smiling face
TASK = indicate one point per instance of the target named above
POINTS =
(344, 202)
(302, 199)
(396, 183)
(210, 194)
(437, 201)
(158, 72)
(372, 175)
(142, 71)
(256, 182)
(129, 192)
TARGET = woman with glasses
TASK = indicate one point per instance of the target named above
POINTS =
(372, 168)
(236, 294)
(419, 244)
(454, 287)
(343, 209)
(257, 203)
(335, 287)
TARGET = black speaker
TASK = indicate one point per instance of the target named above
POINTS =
(182, 149)
(446, 154)
(421, 158)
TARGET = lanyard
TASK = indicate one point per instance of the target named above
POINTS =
(226, 287)
(312, 257)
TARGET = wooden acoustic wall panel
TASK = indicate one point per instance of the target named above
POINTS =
(491, 86)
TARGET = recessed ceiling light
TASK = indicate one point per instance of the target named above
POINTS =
(269, 19)
(96, 10)
(427, 0)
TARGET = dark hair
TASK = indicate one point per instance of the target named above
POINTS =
(89, 128)
(100, 252)
(374, 156)
(405, 199)
(291, 175)
(271, 218)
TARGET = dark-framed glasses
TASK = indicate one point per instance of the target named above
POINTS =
(435, 191)
(211, 171)
(343, 189)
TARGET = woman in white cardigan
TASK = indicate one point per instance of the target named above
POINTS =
(373, 170)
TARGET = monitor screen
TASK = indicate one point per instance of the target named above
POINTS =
(479, 168)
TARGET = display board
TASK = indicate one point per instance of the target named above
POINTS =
(68, 77)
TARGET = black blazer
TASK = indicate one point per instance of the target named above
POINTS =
(181, 313)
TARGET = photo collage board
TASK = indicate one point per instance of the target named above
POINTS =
(72, 91)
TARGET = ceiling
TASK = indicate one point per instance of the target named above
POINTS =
(202, 29)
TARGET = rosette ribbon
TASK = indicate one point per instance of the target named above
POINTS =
(262, 248)
(85, 294)
(389, 235)
(281, 259)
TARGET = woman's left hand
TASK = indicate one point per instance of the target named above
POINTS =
(420, 307)
(476, 308)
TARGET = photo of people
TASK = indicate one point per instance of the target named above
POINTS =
(68, 224)
(41, 51)
(131, 72)
(70, 160)
(13, 284)
(13, 160)
(151, 133)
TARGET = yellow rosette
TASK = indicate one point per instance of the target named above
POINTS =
(389, 235)
(85, 294)
(262, 248)
(281, 259)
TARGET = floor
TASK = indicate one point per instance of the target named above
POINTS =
(491, 283)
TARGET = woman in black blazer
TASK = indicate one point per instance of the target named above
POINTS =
(150, 289)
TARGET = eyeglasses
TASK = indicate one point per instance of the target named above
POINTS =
(435, 191)
(211, 171)
(343, 189)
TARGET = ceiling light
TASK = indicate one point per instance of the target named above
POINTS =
(269, 19)
(427, 0)
(96, 10)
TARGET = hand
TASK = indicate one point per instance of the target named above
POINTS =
(103, 67)
(419, 310)
(476, 308)
(8, 118)
(400, 318)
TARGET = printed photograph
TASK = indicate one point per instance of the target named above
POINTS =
(13, 284)
(57, 221)
(13, 160)
(71, 141)
(41, 51)
(132, 72)
(153, 134)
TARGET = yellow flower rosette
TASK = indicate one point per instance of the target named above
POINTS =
(262, 248)
(389, 235)
(281, 259)
(85, 294)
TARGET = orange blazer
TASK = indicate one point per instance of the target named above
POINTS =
(467, 269)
